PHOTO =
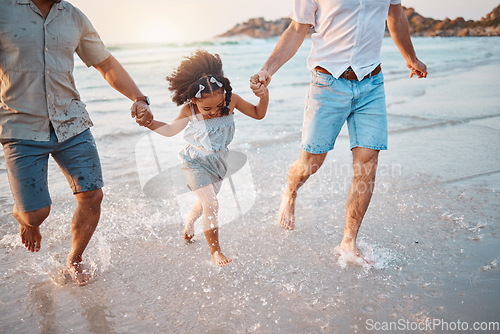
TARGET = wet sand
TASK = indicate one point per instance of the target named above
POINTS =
(433, 228)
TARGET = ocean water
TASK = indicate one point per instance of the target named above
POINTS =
(432, 228)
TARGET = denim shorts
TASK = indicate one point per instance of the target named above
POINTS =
(27, 165)
(331, 102)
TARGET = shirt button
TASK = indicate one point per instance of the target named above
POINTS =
(46, 49)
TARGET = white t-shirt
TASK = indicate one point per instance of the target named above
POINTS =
(348, 33)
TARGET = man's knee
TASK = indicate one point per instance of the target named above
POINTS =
(32, 218)
(365, 163)
(91, 198)
(365, 168)
(311, 163)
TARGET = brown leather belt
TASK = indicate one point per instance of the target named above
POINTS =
(349, 73)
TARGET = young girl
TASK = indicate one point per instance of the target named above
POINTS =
(208, 104)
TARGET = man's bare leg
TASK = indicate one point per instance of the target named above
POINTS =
(29, 226)
(298, 174)
(359, 196)
(191, 217)
(85, 219)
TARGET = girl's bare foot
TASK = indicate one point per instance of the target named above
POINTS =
(79, 274)
(189, 232)
(219, 259)
(188, 238)
(286, 215)
(30, 237)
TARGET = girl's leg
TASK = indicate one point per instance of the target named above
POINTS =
(191, 217)
(210, 205)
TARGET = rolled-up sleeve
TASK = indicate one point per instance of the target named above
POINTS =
(304, 11)
(395, 2)
(91, 49)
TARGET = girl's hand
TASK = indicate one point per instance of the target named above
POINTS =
(258, 88)
(141, 111)
(144, 117)
(254, 79)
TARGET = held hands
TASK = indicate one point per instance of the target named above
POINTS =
(259, 83)
(142, 113)
(417, 68)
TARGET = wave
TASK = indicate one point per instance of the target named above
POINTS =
(118, 135)
(134, 46)
(238, 40)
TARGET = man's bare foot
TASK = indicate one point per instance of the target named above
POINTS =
(30, 237)
(189, 232)
(219, 259)
(351, 253)
(286, 215)
(79, 274)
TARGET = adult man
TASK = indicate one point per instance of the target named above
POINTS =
(346, 85)
(41, 114)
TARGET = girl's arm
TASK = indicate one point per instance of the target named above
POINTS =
(177, 125)
(257, 112)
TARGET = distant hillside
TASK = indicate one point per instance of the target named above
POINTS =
(419, 26)
(422, 26)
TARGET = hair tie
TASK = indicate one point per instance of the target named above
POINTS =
(213, 80)
(198, 94)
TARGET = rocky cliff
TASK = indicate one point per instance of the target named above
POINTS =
(419, 26)
(258, 28)
(422, 26)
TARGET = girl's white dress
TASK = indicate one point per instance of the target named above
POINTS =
(204, 158)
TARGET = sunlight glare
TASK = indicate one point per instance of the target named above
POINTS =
(158, 32)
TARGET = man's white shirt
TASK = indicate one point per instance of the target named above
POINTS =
(347, 33)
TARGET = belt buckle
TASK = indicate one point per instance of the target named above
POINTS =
(345, 75)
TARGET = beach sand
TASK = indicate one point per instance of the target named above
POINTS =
(432, 228)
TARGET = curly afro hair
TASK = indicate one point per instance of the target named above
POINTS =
(197, 70)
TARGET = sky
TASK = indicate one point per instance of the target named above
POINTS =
(148, 21)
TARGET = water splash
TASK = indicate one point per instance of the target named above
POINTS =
(493, 265)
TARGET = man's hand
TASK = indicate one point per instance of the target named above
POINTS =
(259, 89)
(417, 68)
(142, 113)
(259, 83)
(397, 23)
(263, 77)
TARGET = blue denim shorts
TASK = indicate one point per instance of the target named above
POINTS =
(27, 164)
(331, 102)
